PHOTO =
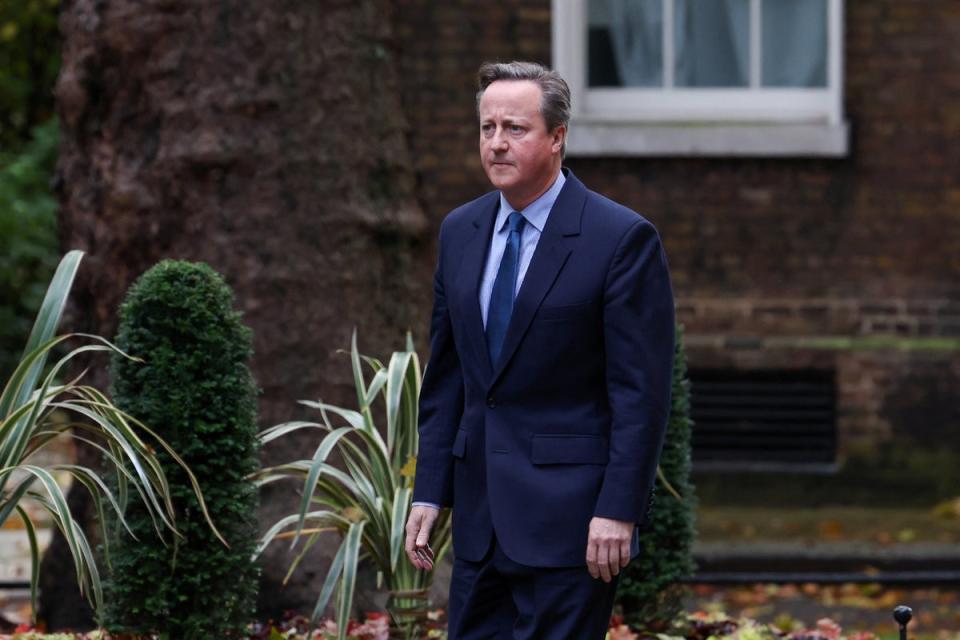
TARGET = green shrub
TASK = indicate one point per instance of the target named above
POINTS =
(29, 133)
(650, 592)
(29, 62)
(196, 391)
(28, 238)
(368, 504)
(33, 405)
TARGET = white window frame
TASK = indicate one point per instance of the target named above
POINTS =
(749, 121)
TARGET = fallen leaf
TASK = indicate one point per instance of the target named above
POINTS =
(831, 530)
(906, 535)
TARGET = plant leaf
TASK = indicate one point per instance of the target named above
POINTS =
(34, 562)
(351, 545)
(398, 516)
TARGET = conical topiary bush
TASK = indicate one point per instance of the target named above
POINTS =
(650, 593)
(196, 390)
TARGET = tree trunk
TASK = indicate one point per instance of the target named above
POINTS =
(266, 139)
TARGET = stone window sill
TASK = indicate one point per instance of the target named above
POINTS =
(594, 138)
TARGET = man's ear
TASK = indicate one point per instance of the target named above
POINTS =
(559, 136)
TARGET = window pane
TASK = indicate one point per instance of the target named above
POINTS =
(712, 43)
(625, 43)
(794, 35)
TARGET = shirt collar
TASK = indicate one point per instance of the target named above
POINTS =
(537, 211)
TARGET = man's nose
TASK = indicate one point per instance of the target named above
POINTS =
(500, 140)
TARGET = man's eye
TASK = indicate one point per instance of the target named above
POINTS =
(515, 128)
(486, 128)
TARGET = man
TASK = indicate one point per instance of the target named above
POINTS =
(547, 391)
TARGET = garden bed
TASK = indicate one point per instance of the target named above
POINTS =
(700, 625)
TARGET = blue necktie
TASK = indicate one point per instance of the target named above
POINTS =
(501, 298)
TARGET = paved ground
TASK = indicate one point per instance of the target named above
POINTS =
(876, 526)
(834, 539)
(854, 607)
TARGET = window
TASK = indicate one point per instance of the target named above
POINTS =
(730, 77)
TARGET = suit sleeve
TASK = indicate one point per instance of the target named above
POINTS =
(639, 344)
(441, 402)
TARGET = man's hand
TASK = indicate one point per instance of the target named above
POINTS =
(417, 545)
(608, 547)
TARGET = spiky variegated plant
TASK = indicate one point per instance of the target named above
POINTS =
(367, 503)
(29, 399)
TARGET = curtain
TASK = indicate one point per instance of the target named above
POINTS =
(636, 34)
(712, 42)
(794, 43)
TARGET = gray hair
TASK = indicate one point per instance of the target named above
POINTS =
(555, 101)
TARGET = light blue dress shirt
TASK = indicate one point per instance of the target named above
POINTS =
(536, 215)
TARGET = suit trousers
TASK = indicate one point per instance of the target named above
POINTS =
(499, 599)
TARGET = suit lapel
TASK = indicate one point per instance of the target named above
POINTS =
(471, 273)
(551, 253)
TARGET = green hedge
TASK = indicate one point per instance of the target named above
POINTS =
(196, 391)
(649, 592)
(28, 238)
(29, 61)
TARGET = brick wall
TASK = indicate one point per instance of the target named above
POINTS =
(860, 247)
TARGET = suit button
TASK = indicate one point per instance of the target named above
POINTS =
(491, 403)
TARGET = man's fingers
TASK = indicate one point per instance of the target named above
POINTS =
(603, 561)
(426, 554)
(412, 528)
(409, 543)
(624, 554)
(423, 535)
(611, 541)
(411, 549)
(417, 540)
(414, 558)
(614, 558)
(425, 560)
(592, 560)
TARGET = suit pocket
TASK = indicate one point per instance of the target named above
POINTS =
(564, 448)
(460, 444)
(559, 313)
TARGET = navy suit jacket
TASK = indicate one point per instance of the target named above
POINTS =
(569, 423)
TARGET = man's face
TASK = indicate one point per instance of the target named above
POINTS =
(519, 155)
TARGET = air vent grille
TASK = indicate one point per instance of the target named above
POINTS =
(763, 419)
